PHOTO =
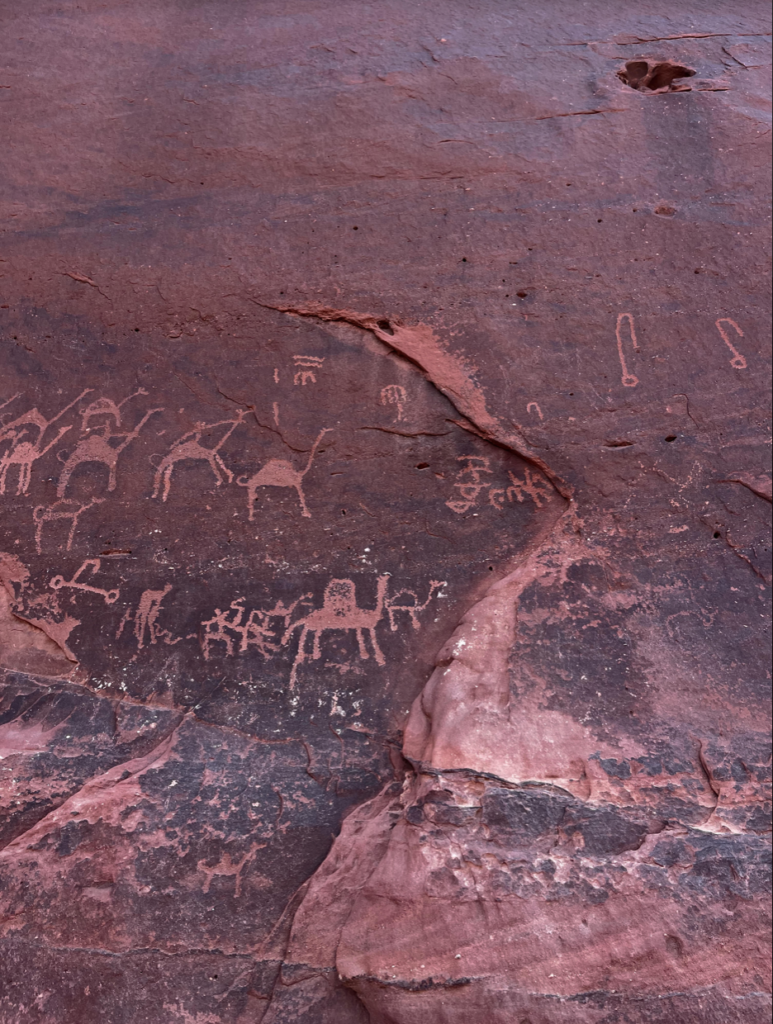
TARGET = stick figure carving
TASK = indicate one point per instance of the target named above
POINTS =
(98, 447)
(146, 619)
(106, 407)
(339, 611)
(25, 449)
(280, 473)
(189, 446)
(66, 508)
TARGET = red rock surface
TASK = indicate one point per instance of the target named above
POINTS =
(385, 511)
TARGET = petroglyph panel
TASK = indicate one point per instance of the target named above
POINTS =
(244, 513)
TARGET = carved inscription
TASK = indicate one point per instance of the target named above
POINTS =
(474, 483)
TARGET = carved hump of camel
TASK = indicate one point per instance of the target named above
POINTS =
(280, 473)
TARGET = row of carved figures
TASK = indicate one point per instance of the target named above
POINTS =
(26, 439)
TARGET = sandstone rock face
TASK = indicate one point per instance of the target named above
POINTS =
(384, 513)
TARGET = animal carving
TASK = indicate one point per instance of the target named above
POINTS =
(63, 509)
(26, 449)
(24, 454)
(189, 446)
(339, 611)
(407, 601)
(280, 473)
(99, 447)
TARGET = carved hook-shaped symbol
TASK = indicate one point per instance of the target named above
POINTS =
(630, 380)
(737, 362)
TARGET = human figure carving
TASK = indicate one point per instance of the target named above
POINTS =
(66, 508)
(24, 451)
(189, 446)
(98, 447)
(106, 407)
(146, 618)
(280, 473)
(340, 611)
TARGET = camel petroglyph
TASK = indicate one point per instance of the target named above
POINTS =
(339, 611)
(401, 603)
(26, 447)
(189, 446)
(280, 473)
(24, 454)
(65, 508)
(99, 447)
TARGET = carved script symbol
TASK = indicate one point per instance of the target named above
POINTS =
(58, 582)
(255, 630)
(533, 405)
(532, 486)
(189, 446)
(469, 482)
(66, 508)
(308, 367)
(737, 362)
(280, 473)
(629, 379)
(394, 394)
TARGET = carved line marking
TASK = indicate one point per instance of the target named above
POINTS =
(629, 379)
(737, 362)
(59, 582)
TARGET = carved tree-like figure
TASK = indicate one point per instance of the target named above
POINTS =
(189, 446)
(99, 448)
(399, 603)
(280, 473)
(340, 611)
(66, 508)
(25, 451)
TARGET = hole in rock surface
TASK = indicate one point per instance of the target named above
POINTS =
(385, 326)
(652, 77)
